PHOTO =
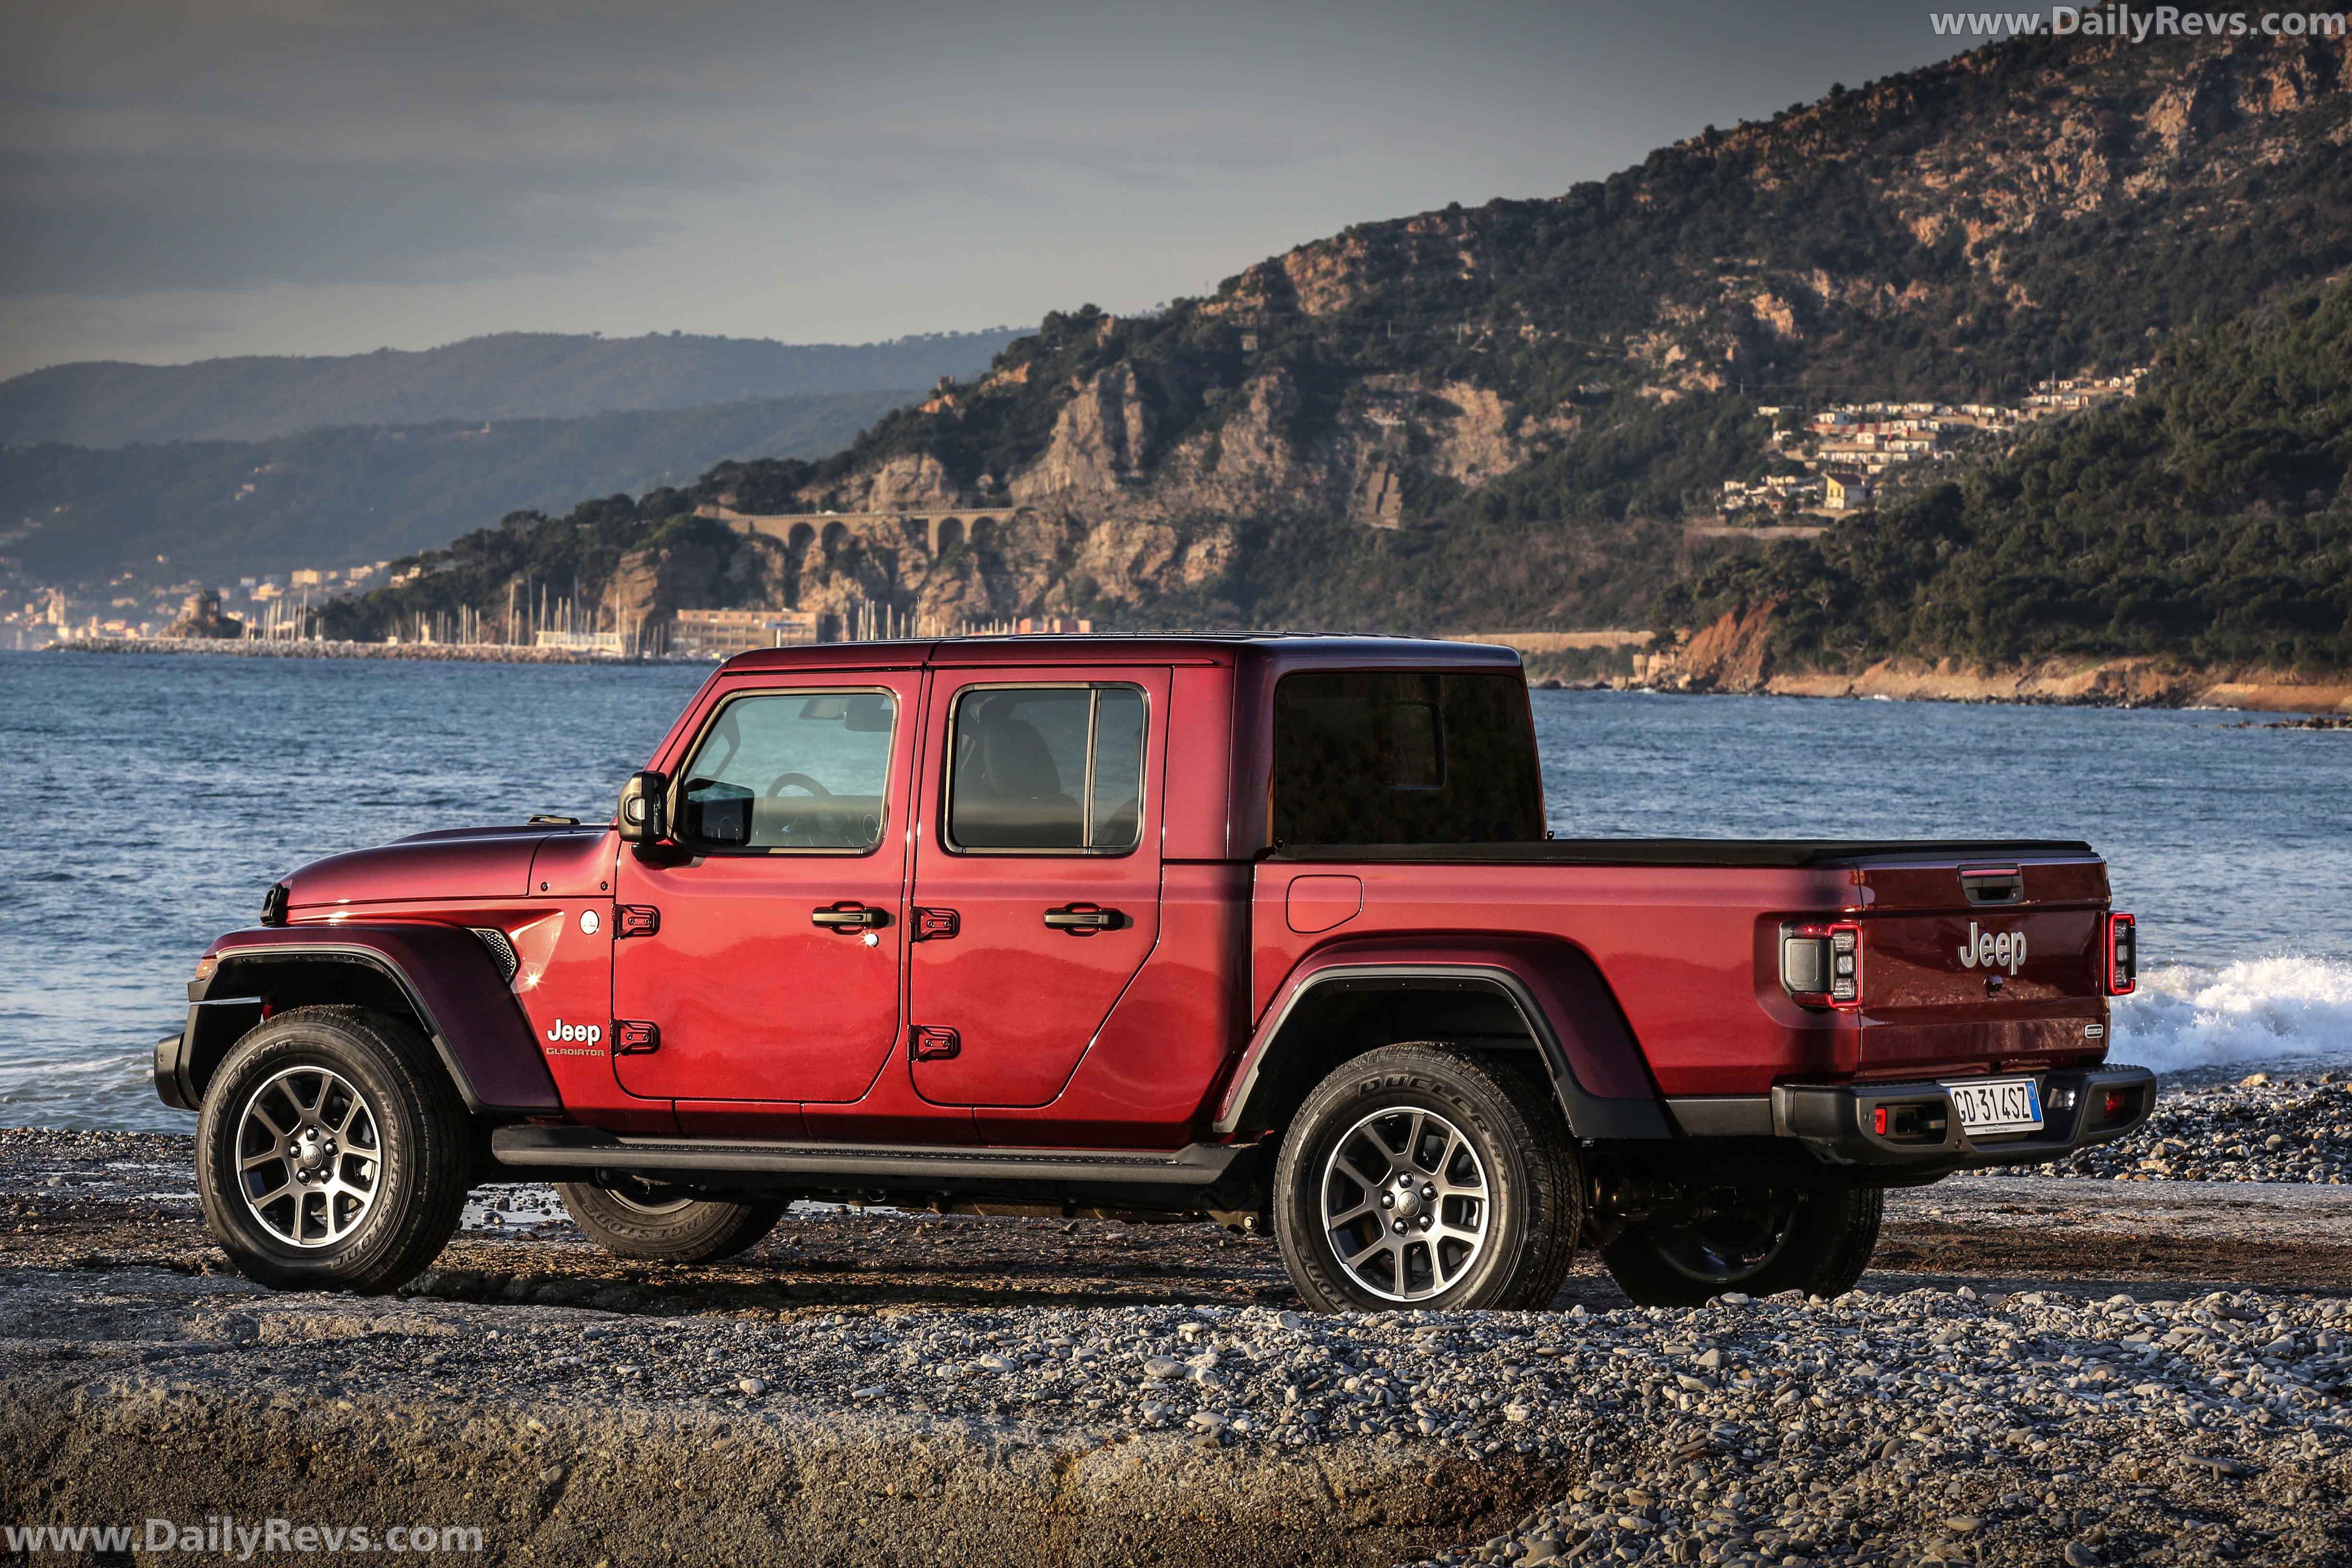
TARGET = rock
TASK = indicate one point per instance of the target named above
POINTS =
(754, 1386)
(2081, 1554)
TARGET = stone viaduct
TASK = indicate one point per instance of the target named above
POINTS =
(938, 531)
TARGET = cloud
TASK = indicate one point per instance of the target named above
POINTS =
(156, 152)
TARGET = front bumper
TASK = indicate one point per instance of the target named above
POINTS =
(1840, 1122)
(185, 1061)
(171, 1086)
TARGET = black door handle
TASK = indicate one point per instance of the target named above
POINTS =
(849, 917)
(1083, 920)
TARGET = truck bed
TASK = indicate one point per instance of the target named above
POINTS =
(1793, 854)
(1687, 934)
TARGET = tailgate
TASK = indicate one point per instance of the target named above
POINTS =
(1982, 967)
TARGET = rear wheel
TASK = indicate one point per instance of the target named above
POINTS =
(1815, 1242)
(638, 1218)
(1421, 1177)
(333, 1153)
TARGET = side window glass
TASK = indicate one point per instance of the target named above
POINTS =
(792, 771)
(1047, 767)
(1117, 818)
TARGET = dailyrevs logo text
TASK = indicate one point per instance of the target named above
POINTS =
(2137, 23)
(224, 1536)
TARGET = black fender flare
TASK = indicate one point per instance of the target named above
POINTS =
(448, 979)
(1598, 1073)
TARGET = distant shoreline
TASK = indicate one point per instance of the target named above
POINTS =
(2113, 683)
(430, 652)
(2127, 683)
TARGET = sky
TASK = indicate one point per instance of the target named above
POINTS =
(211, 177)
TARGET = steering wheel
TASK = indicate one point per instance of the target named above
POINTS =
(783, 781)
(829, 824)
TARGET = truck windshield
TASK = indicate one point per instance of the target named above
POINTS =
(1366, 757)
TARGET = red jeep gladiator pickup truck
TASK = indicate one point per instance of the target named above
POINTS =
(1268, 929)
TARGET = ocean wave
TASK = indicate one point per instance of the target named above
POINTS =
(2256, 1010)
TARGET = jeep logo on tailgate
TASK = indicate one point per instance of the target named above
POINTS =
(2006, 951)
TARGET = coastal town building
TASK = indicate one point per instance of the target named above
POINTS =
(723, 634)
(1845, 490)
(1865, 443)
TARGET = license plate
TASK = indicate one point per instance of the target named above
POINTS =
(1998, 1104)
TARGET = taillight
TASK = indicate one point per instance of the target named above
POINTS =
(2123, 955)
(1820, 965)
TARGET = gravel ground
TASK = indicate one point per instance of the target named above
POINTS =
(2259, 1129)
(1914, 1427)
(2036, 1372)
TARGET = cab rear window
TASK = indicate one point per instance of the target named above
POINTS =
(1384, 757)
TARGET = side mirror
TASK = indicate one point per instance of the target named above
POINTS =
(643, 819)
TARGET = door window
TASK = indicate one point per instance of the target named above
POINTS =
(783, 770)
(1046, 769)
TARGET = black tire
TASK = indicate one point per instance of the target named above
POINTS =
(1818, 1243)
(388, 1154)
(1526, 1222)
(648, 1220)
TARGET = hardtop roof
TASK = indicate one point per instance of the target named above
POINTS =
(1301, 649)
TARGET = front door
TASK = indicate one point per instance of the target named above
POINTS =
(1036, 876)
(772, 971)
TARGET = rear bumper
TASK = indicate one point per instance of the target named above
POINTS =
(1839, 1124)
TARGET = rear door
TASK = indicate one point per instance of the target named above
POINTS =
(1037, 877)
(770, 969)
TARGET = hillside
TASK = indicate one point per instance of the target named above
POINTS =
(510, 376)
(351, 493)
(1502, 415)
(2208, 523)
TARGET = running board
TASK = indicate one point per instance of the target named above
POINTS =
(916, 1166)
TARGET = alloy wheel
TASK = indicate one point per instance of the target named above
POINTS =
(1406, 1203)
(309, 1156)
(1728, 1249)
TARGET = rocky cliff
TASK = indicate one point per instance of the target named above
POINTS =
(1499, 414)
(1365, 428)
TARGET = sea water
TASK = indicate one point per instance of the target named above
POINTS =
(153, 798)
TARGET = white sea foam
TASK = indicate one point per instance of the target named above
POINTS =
(2254, 1010)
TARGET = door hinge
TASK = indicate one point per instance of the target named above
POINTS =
(925, 1044)
(632, 1038)
(635, 920)
(937, 925)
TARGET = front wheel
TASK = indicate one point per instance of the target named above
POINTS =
(640, 1218)
(333, 1153)
(1422, 1176)
(1815, 1242)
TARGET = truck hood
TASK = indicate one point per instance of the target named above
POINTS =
(459, 863)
